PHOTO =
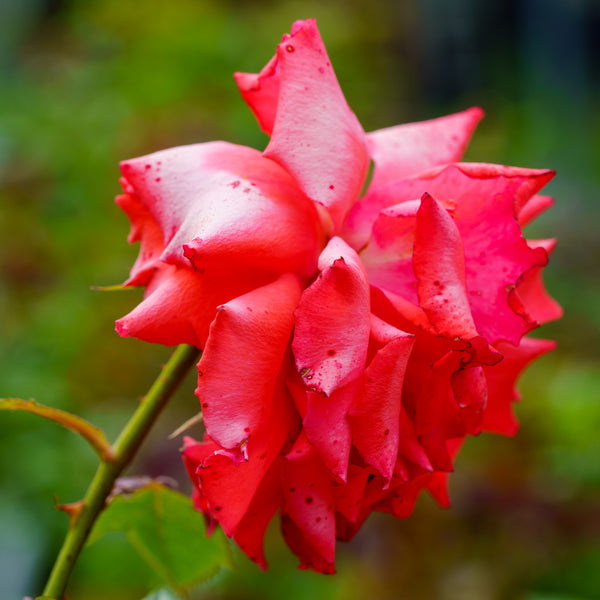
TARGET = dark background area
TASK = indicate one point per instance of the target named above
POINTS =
(86, 84)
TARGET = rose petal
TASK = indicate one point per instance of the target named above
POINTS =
(439, 265)
(332, 321)
(534, 207)
(486, 199)
(470, 391)
(230, 485)
(434, 409)
(327, 429)
(144, 229)
(242, 359)
(316, 136)
(539, 306)
(388, 256)
(401, 151)
(407, 149)
(193, 453)
(223, 203)
(261, 93)
(250, 532)
(501, 380)
(171, 314)
(399, 312)
(308, 521)
(375, 417)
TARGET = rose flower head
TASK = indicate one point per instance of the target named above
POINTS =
(350, 343)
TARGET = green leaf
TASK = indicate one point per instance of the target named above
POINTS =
(169, 535)
(94, 435)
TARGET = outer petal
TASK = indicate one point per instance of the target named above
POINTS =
(375, 418)
(501, 379)
(316, 136)
(223, 203)
(243, 356)
(250, 532)
(261, 90)
(230, 485)
(308, 521)
(261, 93)
(144, 229)
(531, 293)
(407, 149)
(193, 453)
(179, 303)
(535, 206)
(332, 321)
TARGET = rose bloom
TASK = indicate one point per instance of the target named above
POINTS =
(350, 343)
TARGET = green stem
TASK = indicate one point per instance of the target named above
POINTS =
(124, 449)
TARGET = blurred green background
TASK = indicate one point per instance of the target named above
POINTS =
(84, 84)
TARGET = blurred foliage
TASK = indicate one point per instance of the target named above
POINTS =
(86, 84)
(168, 533)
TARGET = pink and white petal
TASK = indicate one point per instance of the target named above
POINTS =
(501, 380)
(327, 428)
(407, 149)
(332, 321)
(244, 354)
(375, 417)
(308, 520)
(316, 137)
(218, 202)
(531, 292)
(261, 90)
(439, 265)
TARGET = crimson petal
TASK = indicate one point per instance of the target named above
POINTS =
(332, 321)
(308, 518)
(439, 265)
(375, 418)
(242, 359)
(501, 379)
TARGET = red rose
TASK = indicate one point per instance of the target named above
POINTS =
(350, 343)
